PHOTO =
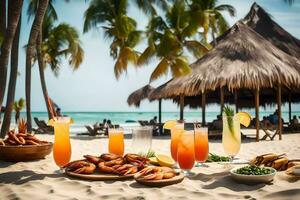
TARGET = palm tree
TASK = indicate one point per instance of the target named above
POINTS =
(34, 32)
(169, 37)
(118, 27)
(209, 15)
(18, 106)
(53, 44)
(16, 9)
(13, 77)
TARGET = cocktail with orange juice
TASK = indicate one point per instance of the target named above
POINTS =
(116, 141)
(186, 152)
(62, 144)
(201, 145)
(176, 133)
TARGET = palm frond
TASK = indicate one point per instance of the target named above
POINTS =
(196, 48)
(134, 38)
(32, 8)
(146, 6)
(225, 7)
(146, 56)
(127, 55)
(180, 67)
(160, 70)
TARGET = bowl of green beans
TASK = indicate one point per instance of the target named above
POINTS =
(253, 174)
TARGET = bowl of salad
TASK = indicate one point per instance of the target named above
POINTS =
(253, 174)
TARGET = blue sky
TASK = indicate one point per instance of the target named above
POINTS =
(94, 87)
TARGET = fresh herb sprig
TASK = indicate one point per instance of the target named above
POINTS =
(149, 154)
(254, 170)
(216, 158)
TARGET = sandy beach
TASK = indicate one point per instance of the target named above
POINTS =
(39, 180)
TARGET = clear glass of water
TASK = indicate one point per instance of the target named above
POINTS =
(141, 139)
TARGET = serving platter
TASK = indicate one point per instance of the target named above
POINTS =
(160, 183)
(97, 176)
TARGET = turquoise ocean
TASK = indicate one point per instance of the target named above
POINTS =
(89, 118)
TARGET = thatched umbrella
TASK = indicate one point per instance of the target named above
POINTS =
(137, 96)
(242, 59)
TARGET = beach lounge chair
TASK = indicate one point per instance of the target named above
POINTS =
(270, 130)
(43, 128)
(91, 131)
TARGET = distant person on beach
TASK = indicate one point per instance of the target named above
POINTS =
(104, 122)
(218, 123)
(295, 120)
(266, 122)
(109, 124)
(154, 120)
(58, 112)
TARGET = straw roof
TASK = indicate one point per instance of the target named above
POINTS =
(261, 22)
(245, 98)
(241, 59)
(137, 96)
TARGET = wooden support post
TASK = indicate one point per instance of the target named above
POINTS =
(203, 104)
(279, 111)
(222, 99)
(236, 101)
(257, 113)
(290, 106)
(181, 106)
(159, 116)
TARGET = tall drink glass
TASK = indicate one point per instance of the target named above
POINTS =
(231, 136)
(186, 152)
(176, 133)
(142, 139)
(201, 145)
(62, 145)
(116, 141)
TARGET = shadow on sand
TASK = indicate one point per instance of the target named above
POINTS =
(24, 176)
(223, 180)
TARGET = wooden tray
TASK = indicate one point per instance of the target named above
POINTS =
(160, 183)
(98, 176)
(25, 152)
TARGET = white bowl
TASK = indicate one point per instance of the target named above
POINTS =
(252, 179)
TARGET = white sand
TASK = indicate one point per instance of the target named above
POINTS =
(38, 180)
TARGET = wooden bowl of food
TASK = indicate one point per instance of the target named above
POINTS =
(25, 152)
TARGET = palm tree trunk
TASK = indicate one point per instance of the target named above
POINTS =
(42, 77)
(7, 44)
(2, 17)
(14, 57)
(35, 29)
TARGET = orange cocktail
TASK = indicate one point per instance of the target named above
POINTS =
(116, 141)
(186, 152)
(201, 145)
(62, 145)
(176, 133)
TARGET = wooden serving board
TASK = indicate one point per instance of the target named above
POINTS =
(160, 183)
(98, 176)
